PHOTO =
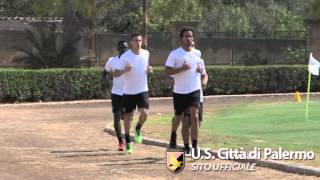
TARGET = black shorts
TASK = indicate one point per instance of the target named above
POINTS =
(130, 102)
(187, 113)
(182, 102)
(117, 103)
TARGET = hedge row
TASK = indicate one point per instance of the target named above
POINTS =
(247, 79)
(50, 85)
(74, 84)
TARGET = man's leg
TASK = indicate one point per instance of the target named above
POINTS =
(194, 112)
(194, 105)
(127, 125)
(175, 124)
(143, 106)
(129, 105)
(116, 102)
(185, 132)
(117, 125)
(200, 114)
(143, 115)
(179, 103)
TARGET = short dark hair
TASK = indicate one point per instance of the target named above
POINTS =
(121, 42)
(134, 35)
(185, 29)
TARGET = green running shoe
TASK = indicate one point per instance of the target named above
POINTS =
(129, 149)
(138, 137)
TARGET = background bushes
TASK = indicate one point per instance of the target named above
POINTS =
(17, 85)
(52, 85)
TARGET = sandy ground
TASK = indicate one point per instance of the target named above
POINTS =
(68, 142)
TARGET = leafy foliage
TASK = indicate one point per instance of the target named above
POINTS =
(73, 84)
(15, 8)
(50, 85)
(217, 15)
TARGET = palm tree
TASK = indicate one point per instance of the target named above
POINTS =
(46, 51)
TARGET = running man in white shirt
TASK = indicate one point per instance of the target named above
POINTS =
(183, 64)
(186, 122)
(134, 66)
(116, 91)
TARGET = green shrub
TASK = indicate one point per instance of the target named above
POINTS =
(52, 85)
(258, 79)
(76, 84)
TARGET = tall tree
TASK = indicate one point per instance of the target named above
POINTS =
(120, 16)
(163, 12)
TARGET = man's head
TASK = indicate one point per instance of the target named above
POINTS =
(136, 41)
(122, 46)
(186, 35)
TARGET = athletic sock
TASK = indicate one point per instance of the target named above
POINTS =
(186, 148)
(127, 138)
(194, 143)
(173, 139)
(138, 128)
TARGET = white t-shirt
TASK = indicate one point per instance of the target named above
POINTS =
(197, 52)
(135, 81)
(117, 82)
(187, 81)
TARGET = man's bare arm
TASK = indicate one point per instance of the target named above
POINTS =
(118, 72)
(205, 79)
(169, 71)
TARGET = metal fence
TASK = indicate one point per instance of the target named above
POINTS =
(254, 48)
(218, 48)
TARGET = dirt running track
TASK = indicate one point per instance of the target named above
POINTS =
(68, 142)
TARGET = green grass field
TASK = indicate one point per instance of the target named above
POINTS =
(267, 125)
(271, 125)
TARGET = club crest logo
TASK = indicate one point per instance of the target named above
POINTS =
(175, 160)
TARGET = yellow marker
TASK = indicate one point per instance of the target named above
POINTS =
(297, 97)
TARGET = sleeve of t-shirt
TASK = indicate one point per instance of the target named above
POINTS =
(170, 60)
(121, 64)
(197, 52)
(108, 67)
(204, 72)
(148, 55)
